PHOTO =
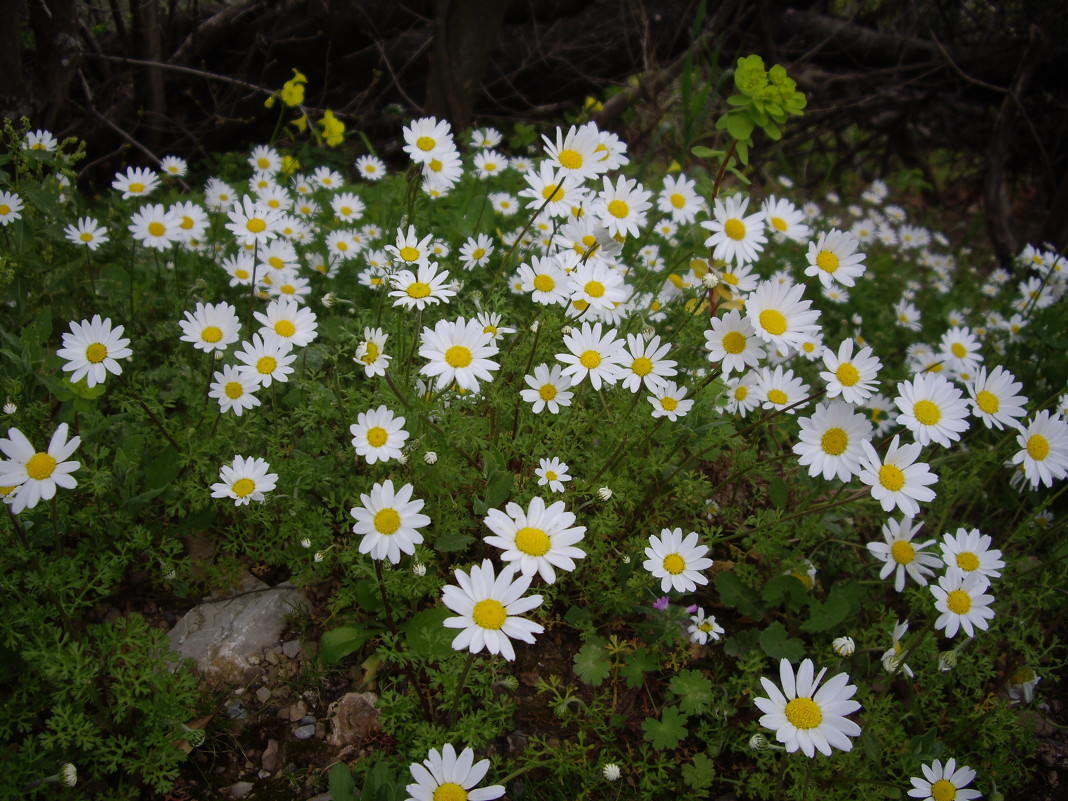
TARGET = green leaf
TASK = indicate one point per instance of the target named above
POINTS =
(338, 643)
(926, 747)
(667, 732)
(700, 774)
(592, 664)
(778, 645)
(778, 493)
(872, 750)
(427, 635)
(498, 488)
(693, 690)
(340, 783)
(703, 152)
(785, 590)
(735, 594)
(742, 150)
(452, 541)
(826, 615)
(635, 666)
(741, 643)
(163, 469)
(739, 125)
(772, 130)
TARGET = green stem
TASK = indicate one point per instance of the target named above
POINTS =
(493, 275)
(460, 688)
(427, 421)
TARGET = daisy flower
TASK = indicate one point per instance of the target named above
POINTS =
(458, 352)
(960, 598)
(932, 409)
(244, 480)
(549, 389)
(265, 159)
(285, 318)
(739, 393)
(211, 327)
(545, 280)
(252, 223)
(1022, 685)
(643, 363)
(491, 324)
(669, 400)
(702, 629)
(378, 436)
(428, 138)
(906, 315)
(785, 219)
(36, 474)
(622, 207)
(897, 480)
(556, 191)
(893, 658)
(448, 777)
(10, 208)
(485, 138)
(137, 182)
(735, 237)
(552, 472)
(779, 315)
(970, 552)
(732, 341)
(852, 377)
(503, 203)
(328, 178)
(155, 227)
(240, 267)
(40, 140)
(780, 389)
(597, 284)
(192, 221)
(832, 441)
(419, 289)
(476, 251)
(834, 258)
(677, 560)
(388, 522)
(87, 232)
(994, 399)
(370, 168)
(591, 353)
(266, 359)
(92, 349)
(575, 153)
(218, 195)
(944, 782)
(234, 390)
(900, 555)
(536, 540)
(371, 353)
(173, 166)
(805, 716)
(489, 608)
(488, 163)
(679, 199)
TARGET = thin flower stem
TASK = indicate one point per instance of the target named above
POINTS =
(515, 774)
(460, 688)
(530, 361)
(803, 513)
(426, 420)
(518, 239)
(723, 168)
(211, 372)
(151, 415)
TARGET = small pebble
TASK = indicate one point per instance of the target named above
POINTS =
(305, 732)
(239, 789)
(291, 648)
(236, 710)
(263, 694)
(304, 721)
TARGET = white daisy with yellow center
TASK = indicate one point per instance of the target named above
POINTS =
(594, 354)
(458, 352)
(287, 319)
(932, 408)
(900, 555)
(994, 398)
(545, 280)
(378, 435)
(211, 327)
(833, 258)
(245, 479)
(389, 521)
(266, 358)
(489, 608)
(960, 598)
(92, 349)
(28, 475)
(780, 315)
(854, 378)
(677, 560)
(944, 782)
(538, 539)
(552, 472)
(233, 390)
(970, 552)
(1043, 449)
(87, 233)
(897, 480)
(831, 441)
(451, 777)
(371, 353)
(426, 286)
(735, 236)
(732, 342)
(702, 629)
(548, 388)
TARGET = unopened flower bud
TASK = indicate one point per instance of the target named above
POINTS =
(534, 326)
(419, 569)
(10, 408)
(611, 771)
(758, 742)
(947, 660)
(68, 774)
(329, 299)
(430, 457)
(319, 556)
(604, 493)
(305, 542)
(844, 646)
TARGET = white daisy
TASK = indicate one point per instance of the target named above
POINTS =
(1043, 449)
(732, 341)
(211, 327)
(735, 237)
(785, 219)
(424, 287)
(944, 782)
(34, 474)
(266, 359)
(591, 353)
(244, 480)
(371, 354)
(644, 363)
(92, 349)
(779, 315)
(970, 552)
(852, 377)
(669, 400)
(780, 389)
(458, 352)
(994, 399)
(932, 409)
(677, 560)
(549, 389)
(897, 480)
(285, 318)
(389, 521)
(371, 168)
(536, 540)
(235, 391)
(451, 777)
(960, 599)
(702, 629)
(87, 232)
(552, 472)
(900, 555)
(621, 207)
(378, 436)
(489, 608)
(832, 441)
(253, 223)
(834, 258)
(546, 280)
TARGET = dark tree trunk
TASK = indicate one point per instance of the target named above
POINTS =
(56, 57)
(13, 95)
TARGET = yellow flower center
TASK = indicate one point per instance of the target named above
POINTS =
(211, 334)
(847, 374)
(377, 436)
(477, 254)
(187, 223)
(943, 790)
(1022, 676)
(618, 209)
(276, 262)
(1037, 447)
(547, 392)
(370, 353)
(234, 390)
(532, 541)
(677, 200)
(987, 402)
(594, 289)
(570, 159)
(642, 366)
(489, 614)
(772, 321)
(834, 441)
(590, 359)
(891, 477)
(550, 475)
(959, 350)
(734, 342)
(458, 356)
(409, 253)
(902, 552)
(927, 412)
(157, 228)
(424, 143)
(345, 211)
(674, 564)
(804, 713)
(242, 274)
(741, 392)
(256, 225)
(387, 521)
(967, 561)
(287, 289)
(136, 187)
(778, 397)
(96, 352)
(669, 404)
(244, 487)
(735, 229)
(552, 190)
(342, 245)
(435, 165)
(959, 602)
(267, 365)
(778, 223)
(418, 290)
(449, 791)
(263, 163)
(40, 466)
(85, 236)
(544, 283)
(826, 260)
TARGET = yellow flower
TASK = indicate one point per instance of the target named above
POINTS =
(290, 164)
(300, 123)
(674, 166)
(333, 129)
(292, 93)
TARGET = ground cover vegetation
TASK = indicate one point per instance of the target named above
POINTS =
(697, 488)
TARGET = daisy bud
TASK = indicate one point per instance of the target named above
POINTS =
(604, 493)
(567, 330)
(758, 742)
(68, 774)
(430, 457)
(710, 279)
(319, 556)
(10, 408)
(891, 662)
(947, 660)
(626, 559)
(305, 542)
(419, 569)
(844, 646)
(329, 299)
(168, 572)
(611, 771)
(534, 326)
